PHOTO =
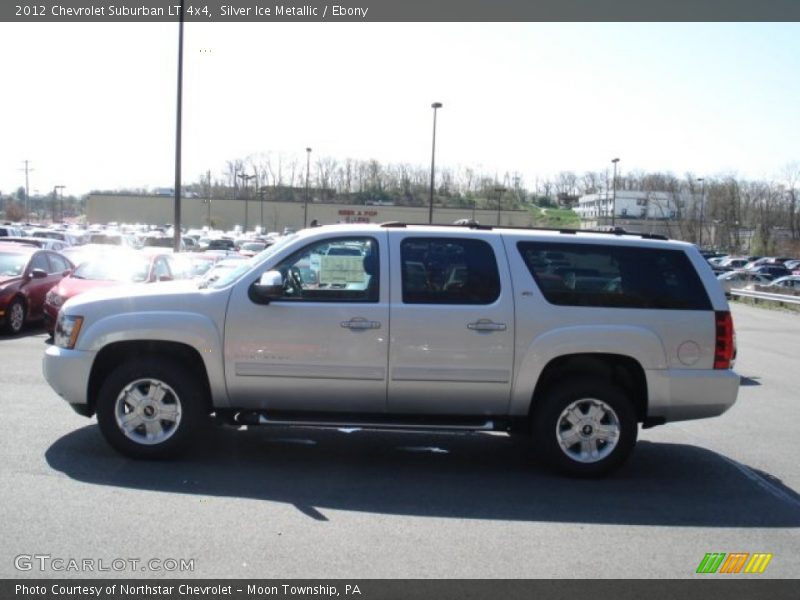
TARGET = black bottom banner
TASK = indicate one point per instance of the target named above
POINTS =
(401, 589)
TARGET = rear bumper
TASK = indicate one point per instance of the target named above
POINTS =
(683, 394)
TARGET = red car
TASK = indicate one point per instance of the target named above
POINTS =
(114, 268)
(26, 274)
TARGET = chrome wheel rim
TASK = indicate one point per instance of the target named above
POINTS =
(16, 316)
(588, 430)
(148, 411)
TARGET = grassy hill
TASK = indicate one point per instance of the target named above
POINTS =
(555, 217)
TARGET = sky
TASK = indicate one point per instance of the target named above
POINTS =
(93, 105)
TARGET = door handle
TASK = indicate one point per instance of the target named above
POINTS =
(486, 325)
(359, 323)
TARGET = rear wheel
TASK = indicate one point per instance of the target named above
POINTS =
(15, 316)
(585, 429)
(150, 408)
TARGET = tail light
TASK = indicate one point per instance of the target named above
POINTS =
(725, 345)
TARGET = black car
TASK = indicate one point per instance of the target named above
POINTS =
(772, 271)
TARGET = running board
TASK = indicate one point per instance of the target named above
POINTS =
(258, 418)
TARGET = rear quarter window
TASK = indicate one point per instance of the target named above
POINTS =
(614, 276)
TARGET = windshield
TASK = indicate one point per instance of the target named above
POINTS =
(234, 274)
(159, 242)
(254, 246)
(101, 238)
(133, 269)
(12, 265)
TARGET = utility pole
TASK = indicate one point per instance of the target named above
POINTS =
(27, 190)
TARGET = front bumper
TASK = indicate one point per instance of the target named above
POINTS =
(67, 372)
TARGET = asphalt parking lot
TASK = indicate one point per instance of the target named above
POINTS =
(328, 504)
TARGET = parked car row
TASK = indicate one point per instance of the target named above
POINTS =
(36, 280)
(747, 272)
(139, 236)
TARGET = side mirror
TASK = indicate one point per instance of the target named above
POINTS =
(37, 274)
(268, 287)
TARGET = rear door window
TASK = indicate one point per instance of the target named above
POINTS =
(57, 263)
(448, 271)
(614, 276)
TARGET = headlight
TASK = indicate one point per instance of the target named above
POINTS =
(67, 329)
(54, 299)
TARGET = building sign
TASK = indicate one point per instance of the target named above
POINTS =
(357, 216)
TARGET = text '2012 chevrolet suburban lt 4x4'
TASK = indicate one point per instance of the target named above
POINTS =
(572, 337)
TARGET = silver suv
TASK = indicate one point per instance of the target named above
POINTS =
(572, 337)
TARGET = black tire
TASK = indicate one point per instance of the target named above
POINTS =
(15, 316)
(162, 402)
(588, 413)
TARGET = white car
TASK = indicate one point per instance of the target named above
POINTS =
(789, 282)
(737, 280)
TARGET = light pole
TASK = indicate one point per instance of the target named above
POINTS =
(52, 205)
(176, 209)
(262, 191)
(60, 189)
(245, 178)
(499, 191)
(207, 192)
(614, 194)
(305, 203)
(435, 106)
(702, 210)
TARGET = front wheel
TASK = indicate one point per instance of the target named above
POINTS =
(15, 316)
(150, 408)
(585, 429)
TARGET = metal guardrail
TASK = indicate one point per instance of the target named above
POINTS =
(785, 298)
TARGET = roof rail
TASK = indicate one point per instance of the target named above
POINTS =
(393, 224)
(567, 231)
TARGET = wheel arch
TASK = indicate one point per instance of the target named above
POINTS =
(623, 371)
(116, 353)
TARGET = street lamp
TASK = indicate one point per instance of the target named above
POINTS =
(702, 210)
(262, 192)
(60, 189)
(499, 191)
(305, 203)
(614, 194)
(245, 178)
(435, 106)
(176, 236)
(52, 206)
